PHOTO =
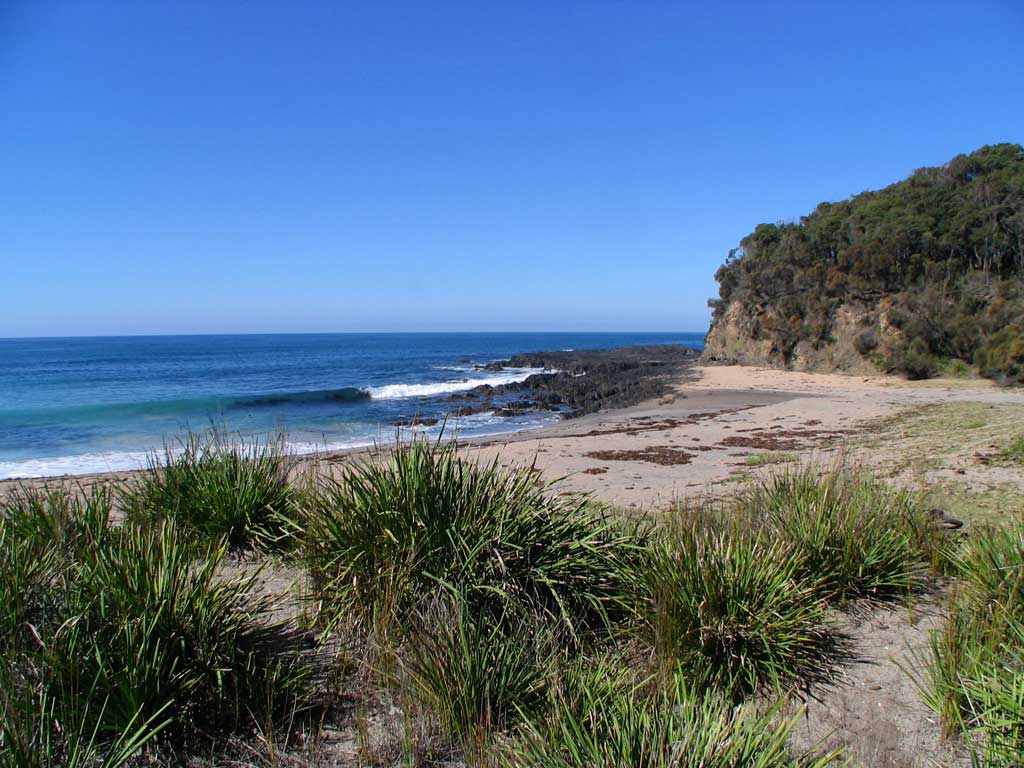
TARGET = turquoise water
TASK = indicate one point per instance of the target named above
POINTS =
(79, 405)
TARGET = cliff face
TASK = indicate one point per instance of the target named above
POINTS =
(858, 334)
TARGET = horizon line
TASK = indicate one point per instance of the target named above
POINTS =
(320, 333)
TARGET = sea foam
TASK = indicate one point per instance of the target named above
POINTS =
(401, 391)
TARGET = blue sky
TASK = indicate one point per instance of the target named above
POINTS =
(295, 166)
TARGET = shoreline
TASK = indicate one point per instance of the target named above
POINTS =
(690, 442)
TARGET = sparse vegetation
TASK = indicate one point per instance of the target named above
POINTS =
(764, 459)
(1014, 451)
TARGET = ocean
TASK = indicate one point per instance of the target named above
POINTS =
(81, 405)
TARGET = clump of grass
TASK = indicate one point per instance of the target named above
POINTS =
(850, 534)
(974, 669)
(622, 722)
(220, 489)
(108, 632)
(730, 610)
(478, 676)
(1014, 451)
(37, 732)
(764, 459)
(397, 527)
(154, 627)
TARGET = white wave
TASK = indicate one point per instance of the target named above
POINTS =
(400, 391)
(83, 464)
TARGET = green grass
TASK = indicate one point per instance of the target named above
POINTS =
(1014, 452)
(729, 611)
(611, 720)
(973, 673)
(219, 489)
(395, 528)
(110, 632)
(479, 677)
(850, 535)
(764, 459)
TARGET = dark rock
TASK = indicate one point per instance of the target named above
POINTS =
(942, 520)
(415, 422)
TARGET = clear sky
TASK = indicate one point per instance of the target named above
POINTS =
(346, 166)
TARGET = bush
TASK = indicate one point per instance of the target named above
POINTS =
(728, 611)
(109, 633)
(477, 676)
(395, 529)
(1002, 356)
(218, 489)
(974, 669)
(607, 725)
(866, 341)
(915, 360)
(848, 534)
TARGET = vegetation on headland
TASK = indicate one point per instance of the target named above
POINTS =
(507, 623)
(922, 275)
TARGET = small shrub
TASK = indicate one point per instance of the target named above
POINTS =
(865, 342)
(624, 724)
(1002, 356)
(848, 533)
(218, 489)
(729, 611)
(915, 360)
(477, 676)
(393, 530)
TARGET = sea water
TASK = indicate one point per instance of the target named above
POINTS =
(80, 405)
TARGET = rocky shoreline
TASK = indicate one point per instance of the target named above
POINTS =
(577, 382)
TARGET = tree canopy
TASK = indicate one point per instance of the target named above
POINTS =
(944, 248)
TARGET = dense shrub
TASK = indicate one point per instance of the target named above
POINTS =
(941, 253)
(608, 721)
(728, 611)
(397, 527)
(218, 489)
(914, 359)
(1002, 356)
(847, 533)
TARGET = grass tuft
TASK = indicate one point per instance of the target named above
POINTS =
(220, 489)
(973, 672)
(850, 534)
(110, 633)
(730, 612)
(479, 677)
(614, 721)
(398, 527)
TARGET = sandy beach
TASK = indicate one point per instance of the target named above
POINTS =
(716, 425)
